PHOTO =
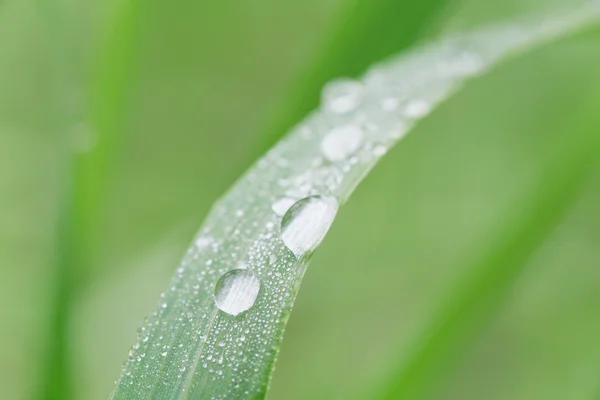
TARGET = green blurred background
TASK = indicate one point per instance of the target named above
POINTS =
(201, 90)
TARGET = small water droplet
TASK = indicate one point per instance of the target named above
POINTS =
(202, 242)
(463, 64)
(390, 104)
(398, 130)
(341, 142)
(236, 291)
(379, 151)
(282, 205)
(306, 223)
(417, 109)
(342, 96)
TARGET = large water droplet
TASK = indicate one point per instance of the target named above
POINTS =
(341, 142)
(306, 223)
(342, 96)
(236, 291)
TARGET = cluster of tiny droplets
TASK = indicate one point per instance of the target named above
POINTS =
(188, 344)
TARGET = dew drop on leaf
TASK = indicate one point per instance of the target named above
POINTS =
(417, 109)
(306, 223)
(341, 142)
(236, 291)
(379, 151)
(342, 96)
(202, 242)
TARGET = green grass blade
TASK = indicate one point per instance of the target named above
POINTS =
(84, 174)
(114, 78)
(189, 348)
(57, 369)
(472, 304)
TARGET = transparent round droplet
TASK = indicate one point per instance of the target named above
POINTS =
(462, 64)
(341, 142)
(379, 151)
(306, 223)
(397, 130)
(417, 109)
(202, 242)
(342, 96)
(236, 291)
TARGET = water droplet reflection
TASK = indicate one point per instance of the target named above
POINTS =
(236, 291)
(306, 223)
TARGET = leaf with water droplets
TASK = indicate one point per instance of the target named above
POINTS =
(217, 329)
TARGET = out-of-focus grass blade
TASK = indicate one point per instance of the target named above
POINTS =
(364, 32)
(85, 149)
(509, 250)
(217, 329)
(67, 109)
(112, 82)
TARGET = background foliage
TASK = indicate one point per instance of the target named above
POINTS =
(205, 89)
